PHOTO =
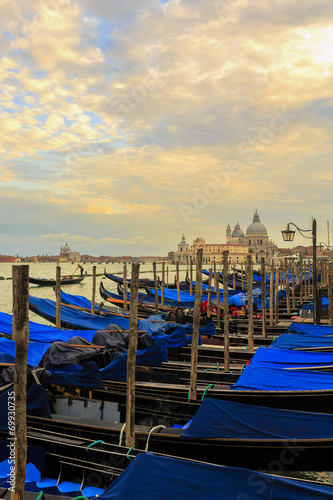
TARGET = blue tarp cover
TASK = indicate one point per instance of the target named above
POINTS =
(36, 350)
(311, 329)
(82, 376)
(301, 341)
(75, 318)
(152, 477)
(43, 333)
(77, 300)
(226, 419)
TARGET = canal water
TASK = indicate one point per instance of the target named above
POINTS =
(48, 270)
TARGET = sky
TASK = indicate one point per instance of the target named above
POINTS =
(124, 124)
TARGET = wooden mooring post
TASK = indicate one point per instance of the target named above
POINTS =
(163, 283)
(217, 291)
(93, 294)
(156, 288)
(18, 431)
(58, 297)
(249, 275)
(209, 301)
(125, 286)
(287, 287)
(225, 255)
(191, 277)
(330, 299)
(293, 300)
(177, 281)
(131, 357)
(263, 297)
(276, 298)
(196, 326)
(271, 296)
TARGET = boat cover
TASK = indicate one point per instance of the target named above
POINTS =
(226, 419)
(302, 341)
(74, 318)
(36, 350)
(43, 333)
(155, 477)
(77, 300)
(281, 358)
(311, 329)
(37, 404)
(88, 376)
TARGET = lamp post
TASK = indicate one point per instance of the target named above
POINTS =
(288, 235)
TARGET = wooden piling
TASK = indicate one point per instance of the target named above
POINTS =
(263, 297)
(301, 284)
(177, 281)
(58, 297)
(330, 299)
(196, 326)
(163, 284)
(20, 275)
(167, 273)
(242, 278)
(191, 277)
(271, 298)
(125, 286)
(93, 295)
(131, 358)
(156, 288)
(234, 277)
(209, 292)
(218, 303)
(287, 287)
(249, 274)
(276, 298)
(225, 254)
(293, 300)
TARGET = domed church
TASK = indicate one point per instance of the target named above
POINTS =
(256, 238)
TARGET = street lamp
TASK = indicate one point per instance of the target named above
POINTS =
(288, 235)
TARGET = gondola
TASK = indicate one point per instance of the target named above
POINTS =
(142, 282)
(52, 282)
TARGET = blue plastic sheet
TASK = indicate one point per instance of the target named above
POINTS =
(217, 418)
(283, 359)
(43, 333)
(36, 350)
(302, 341)
(311, 329)
(87, 375)
(153, 477)
(73, 318)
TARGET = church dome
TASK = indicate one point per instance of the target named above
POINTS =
(256, 227)
(66, 248)
(237, 232)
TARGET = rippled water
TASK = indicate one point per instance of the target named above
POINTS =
(48, 270)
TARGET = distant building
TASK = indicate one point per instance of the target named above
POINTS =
(8, 258)
(66, 254)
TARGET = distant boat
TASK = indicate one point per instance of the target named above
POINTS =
(52, 282)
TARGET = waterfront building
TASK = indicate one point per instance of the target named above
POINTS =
(66, 254)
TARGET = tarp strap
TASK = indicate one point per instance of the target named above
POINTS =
(129, 451)
(95, 442)
(156, 428)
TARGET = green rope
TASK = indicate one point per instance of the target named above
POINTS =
(208, 386)
(242, 369)
(129, 451)
(95, 442)
(40, 495)
(230, 372)
(80, 497)
(212, 369)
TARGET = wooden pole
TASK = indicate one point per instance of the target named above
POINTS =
(330, 299)
(209, 292)
(234, 277)
(93, 291)
(156, 288)
(125, 286)
(287, 285)
(58, 297)
(276, 299)
(196, 326)
(271, 293)
(249, 274)
(225, 254)
(293, 301)
(20, 275)
(242, 276)
(167, 284)
(131, 358)
(177, 281)
(218, 303)
(301, 284)
(163, 284)
(263, 297)
(191, 277)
